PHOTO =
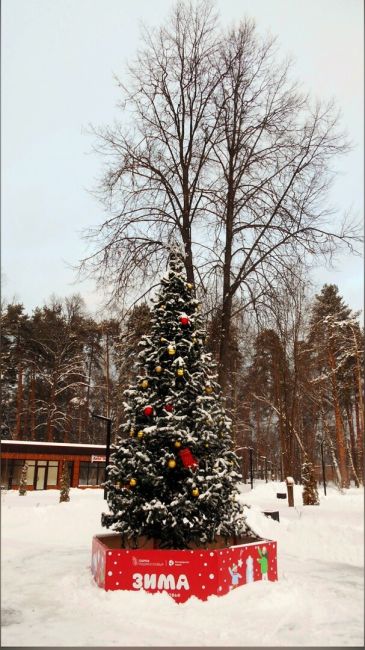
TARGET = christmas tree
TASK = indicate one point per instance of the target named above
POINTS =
(310, 493)
(172, 474)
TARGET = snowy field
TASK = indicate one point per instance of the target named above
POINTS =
(49, 597)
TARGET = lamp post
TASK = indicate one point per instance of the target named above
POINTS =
(108, 438)
(323, 468)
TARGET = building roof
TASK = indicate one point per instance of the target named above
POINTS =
(50, 444)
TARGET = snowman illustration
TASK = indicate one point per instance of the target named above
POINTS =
(249, 569)
(264, 562)
(234, 575)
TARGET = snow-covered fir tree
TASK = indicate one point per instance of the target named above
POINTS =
(65, 484)
(310, 493)
(172, 474)
(23, 481)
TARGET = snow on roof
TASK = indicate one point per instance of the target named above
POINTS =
(50, 444)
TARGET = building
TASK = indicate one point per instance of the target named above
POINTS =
(45, 460)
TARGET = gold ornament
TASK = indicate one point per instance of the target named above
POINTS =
(180, 372)
(172, 463)
(144, 383)
(163, 340)
(131, 433)
(158, 369)
(195, 492)
(208, 390)
(189, 285)
(171, 350)
(177, 443)
(140, 434)
(193, 340)
(132, 482)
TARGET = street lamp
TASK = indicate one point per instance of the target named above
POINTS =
(108, 438)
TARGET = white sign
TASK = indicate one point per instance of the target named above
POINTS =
(98, 459)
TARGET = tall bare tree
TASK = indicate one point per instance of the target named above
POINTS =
(221, 150)
(156, 179)
(272, 159)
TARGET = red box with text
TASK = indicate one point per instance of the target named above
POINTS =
(181, 573)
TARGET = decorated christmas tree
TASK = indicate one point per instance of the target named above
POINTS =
(310, 493)
(172, 474)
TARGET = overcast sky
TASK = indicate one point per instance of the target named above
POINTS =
(58, 61)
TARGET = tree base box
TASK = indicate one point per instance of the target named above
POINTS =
(199, 572)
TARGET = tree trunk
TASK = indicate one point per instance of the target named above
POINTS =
(51, 408)
(32, 404)
(226, 317)
(19, 404)
(352, 451)
(359, 417)
(340, 434)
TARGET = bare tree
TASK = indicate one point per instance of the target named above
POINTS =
(156, 179)
(272, 159)
(221, 150)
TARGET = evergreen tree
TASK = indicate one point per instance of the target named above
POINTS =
(23, 481)
(173, 478)
(310, 492)
(65, 484)
(326, 336)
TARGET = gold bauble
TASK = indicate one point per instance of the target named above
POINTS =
(189, 285)
(132, 482)
(172, 463)
(131, 433)
(195, 492)
(171, 350)
(177, 443)
(144, 383)
(140, 434)
(180, 372)
(158, 369)
(162, 339)
(208, 390)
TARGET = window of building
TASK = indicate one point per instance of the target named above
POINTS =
(52, 473)
(11, 472)
(91, 473)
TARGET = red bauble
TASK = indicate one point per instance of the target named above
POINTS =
(148, 410)
(169, 408)
(184, 320)
(187, 458)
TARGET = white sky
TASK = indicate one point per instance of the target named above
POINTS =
(58, 60)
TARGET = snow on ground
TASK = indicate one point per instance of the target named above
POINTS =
(50, 599)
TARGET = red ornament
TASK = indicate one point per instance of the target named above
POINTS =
(148, 410)
(169, 408)
(184, 320)
(187, 458)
